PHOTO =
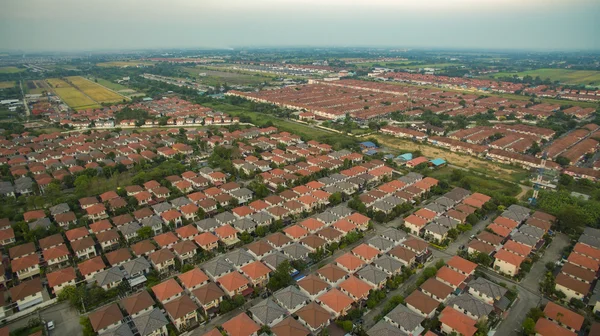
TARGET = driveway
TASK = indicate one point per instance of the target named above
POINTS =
(66, 320)
(538, 270)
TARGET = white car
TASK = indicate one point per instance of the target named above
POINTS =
(50, 325)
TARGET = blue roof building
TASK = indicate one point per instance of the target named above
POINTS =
(368, 144)
(405, 157)
(438, 162)
(371, 152)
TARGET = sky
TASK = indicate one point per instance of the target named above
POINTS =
(87, 25)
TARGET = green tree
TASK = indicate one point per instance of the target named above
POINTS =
(335, 198)
(281, 277)
(86, 326)
(528, 326)
(145, 232)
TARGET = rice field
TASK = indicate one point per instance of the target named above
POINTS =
(6, 85)
(94, 90)
(565, 76)
(124, 64)
(10, 70)
(71, 95)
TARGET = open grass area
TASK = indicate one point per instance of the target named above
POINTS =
(6, 85)
(10, 69)
(478, 182)
(465, 161)
(95, 91)
(71, 95)
(111, 85)
(308, 132)
(35, 86)
(565, 76)
(214, 77)
(123, 64)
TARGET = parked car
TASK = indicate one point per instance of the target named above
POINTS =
(50, 325)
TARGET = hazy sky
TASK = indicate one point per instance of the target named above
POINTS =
(134, 24)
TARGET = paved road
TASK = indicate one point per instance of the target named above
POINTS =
(66, 320)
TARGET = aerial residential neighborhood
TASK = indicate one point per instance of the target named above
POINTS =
(252, 168)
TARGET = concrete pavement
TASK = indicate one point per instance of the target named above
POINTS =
(66, 320)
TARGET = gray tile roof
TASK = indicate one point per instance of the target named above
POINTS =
(326, 217)
(109, 276)
(383, 206)
(437, 228)
(388, 264)
(445, 202)
(457, 194)
(129, 228)
(208, 224)
(394, 234)
(516, 216)
(262, 217)
(267, 311)
(244, 224)
(519, 209)
(488, 288)
(217, 267)
(393, 200)
(589, 240)
(239, 257)
(296, 251)
(384, 328)
(341, 211)
(242, 192)
(380, 243)
(472, 305)
(151, 221)
(274, 259)
(405, 318)
(290, 297)
(533, 231)
(447, 222)
(225, 217)
(180, 201)
(121, 330)
(520, 237)
(162, 207)
(59, 208)
(435, 207)
(43, 223)
(150, 322)
(136, 265)
(372, 274)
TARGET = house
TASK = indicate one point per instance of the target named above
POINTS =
(471, 307)
(355, 288)
(349, 262)
(313, 286)
(7, 236)
(563, 317)
(207, 241)
(259, 249)
(227, 234)
(167, 291)
(404, 255)
(138, 304)
(415, 224)
(151, 323)
(507, 262)
(290, 326)
(336, 302)
(571, 287)
(405, 319)
(209, 297)
(234, 283)
(450, 277)
(373, 276)
(314, 317)
(166, 240)
(332, 274)
(193, 279)
(109, 278)
(217, 267)
(291, 298)
(162, 260)
(27, 294)
(57, 280)
(241, 325)
(545, 327)
(106, 318)
(267, 312)
(182, 312)
(26, 267)
(56, 255)
(91, 267)
(486, 290)
(454, 321)
(421, 304)
(257, 272)
(84, 247)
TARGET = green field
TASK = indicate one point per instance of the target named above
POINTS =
(123, 64)
(565, 76)
(214, 77)
(403, 65)
(6, 85)
(10, 70)
(484, 184)
(111, 85)
(433, 65)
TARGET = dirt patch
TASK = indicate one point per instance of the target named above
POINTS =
(456, 159)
